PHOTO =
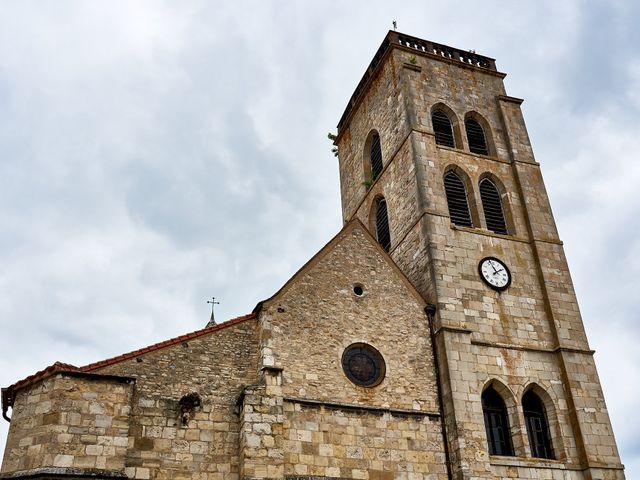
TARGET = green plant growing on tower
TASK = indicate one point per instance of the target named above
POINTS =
(370, 181)
(333, 138)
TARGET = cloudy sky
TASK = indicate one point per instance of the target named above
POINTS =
(154, 154)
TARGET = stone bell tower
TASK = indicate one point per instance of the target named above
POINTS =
(435, 159)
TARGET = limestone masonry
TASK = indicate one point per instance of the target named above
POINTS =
(436, 336)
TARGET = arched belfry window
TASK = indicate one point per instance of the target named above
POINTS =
(492, 206)
(496, 423)
(382, 224)
(375, 154)
(442, 129)
(457, 199)
(535, 417)
(476, 137)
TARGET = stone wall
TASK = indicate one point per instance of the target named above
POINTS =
(330, 426)
(381, 110)
(318, 308)
(334, 441)
(297, 438)
(217, 366)
(71, 421)
(262, 445)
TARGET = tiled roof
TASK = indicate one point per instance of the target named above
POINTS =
(167, 343)
(50, 370)
(9, 392)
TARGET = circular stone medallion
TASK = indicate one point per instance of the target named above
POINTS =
(363, 365)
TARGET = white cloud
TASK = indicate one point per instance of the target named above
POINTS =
(633, 91)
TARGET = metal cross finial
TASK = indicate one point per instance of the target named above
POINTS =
(395, 25)
(213, 303)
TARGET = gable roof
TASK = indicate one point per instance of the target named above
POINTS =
(353, 224)
(8, 394)
(167, 343)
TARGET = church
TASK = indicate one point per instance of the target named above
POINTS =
(437, 336)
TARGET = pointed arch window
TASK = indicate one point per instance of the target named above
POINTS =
(442, 129)
(476, 137)
(457, 199)
(382, 224)
(535, 417)
(496, 423)
(492, 206)
(375, 155)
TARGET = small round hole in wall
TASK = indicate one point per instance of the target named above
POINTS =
(358, 290)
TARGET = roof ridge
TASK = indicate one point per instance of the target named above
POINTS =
(60, 367)
(355, 222)
(166, 343)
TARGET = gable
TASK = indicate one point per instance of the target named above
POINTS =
(307, 326)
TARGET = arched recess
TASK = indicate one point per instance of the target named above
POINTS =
(479, 134)
(379, 222)
(495, 205)
(498, 409)
(461, 200)
(372, 157)
(555, 449)
(440, 116)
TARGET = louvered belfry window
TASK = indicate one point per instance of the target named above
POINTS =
(442, 129)
(457, 199)
(376, 157)
(492, 206)
(476, 137)
(382, 224)
(496, 423)
(537, 426)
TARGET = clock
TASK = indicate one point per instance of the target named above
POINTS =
(495, 273)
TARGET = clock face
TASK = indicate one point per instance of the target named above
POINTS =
(494, 273)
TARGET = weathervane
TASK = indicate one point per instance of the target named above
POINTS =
(213, 303)
(395, 25)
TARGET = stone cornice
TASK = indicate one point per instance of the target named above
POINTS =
(362, 408)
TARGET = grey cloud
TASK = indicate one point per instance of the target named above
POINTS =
(156, 153)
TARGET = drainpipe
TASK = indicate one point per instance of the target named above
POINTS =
(430, 310)
(5, 404)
